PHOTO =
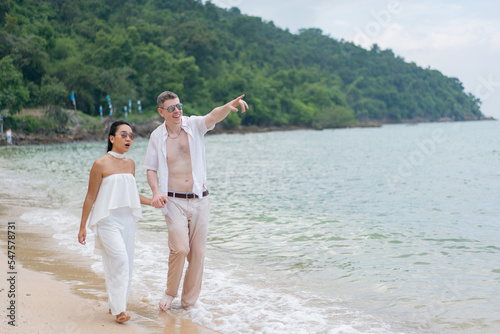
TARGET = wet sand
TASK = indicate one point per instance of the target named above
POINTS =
(57, 292)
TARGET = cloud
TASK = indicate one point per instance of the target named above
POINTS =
(453, 34)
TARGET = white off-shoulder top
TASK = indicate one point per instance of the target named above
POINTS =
(116, 191)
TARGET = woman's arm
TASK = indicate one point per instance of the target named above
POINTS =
(145, 200)
(95, 179)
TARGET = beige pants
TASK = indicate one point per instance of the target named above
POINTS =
(187, 223)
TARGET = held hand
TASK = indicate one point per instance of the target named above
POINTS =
(82, 235)
(159, 201)
(238, 102)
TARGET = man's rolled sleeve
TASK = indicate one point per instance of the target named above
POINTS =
(151, 159)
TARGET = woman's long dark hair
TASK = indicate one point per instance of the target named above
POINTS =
(112, 132)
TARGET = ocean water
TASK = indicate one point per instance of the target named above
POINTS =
(376, 230)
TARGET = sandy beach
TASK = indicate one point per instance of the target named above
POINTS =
(50, 286)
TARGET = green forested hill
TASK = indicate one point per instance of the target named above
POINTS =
(135, 49)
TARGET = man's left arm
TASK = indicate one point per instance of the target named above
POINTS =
(219, 113)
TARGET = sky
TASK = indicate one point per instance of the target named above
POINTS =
(460, 38)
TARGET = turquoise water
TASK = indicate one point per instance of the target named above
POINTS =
(377, 230)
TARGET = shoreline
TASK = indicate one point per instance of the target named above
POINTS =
(54, 289)
(39, 303)
(143, 130)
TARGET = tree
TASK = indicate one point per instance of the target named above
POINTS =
(335, 117)
(13, 94)
(53, 93)
(136, 49)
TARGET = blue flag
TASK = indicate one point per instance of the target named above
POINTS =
(110, 105)
(73, 98)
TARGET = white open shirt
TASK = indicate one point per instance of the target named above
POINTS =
(156, 155)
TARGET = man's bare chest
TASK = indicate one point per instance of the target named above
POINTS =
(178, 148)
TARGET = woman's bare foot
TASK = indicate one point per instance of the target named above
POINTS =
(165, 302)
(122, 317)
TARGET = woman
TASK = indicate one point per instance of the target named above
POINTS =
(113, 190)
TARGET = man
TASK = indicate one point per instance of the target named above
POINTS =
(176, 155)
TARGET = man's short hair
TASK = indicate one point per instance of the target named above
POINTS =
(164, 97)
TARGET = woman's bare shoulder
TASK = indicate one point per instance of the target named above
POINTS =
(130, 161)
(102, 161)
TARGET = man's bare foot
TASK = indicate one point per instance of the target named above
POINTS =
(122, 317)
(165, 302)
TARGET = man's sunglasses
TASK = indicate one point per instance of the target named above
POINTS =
(171, 109)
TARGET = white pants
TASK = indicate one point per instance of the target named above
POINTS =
(117, 236)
